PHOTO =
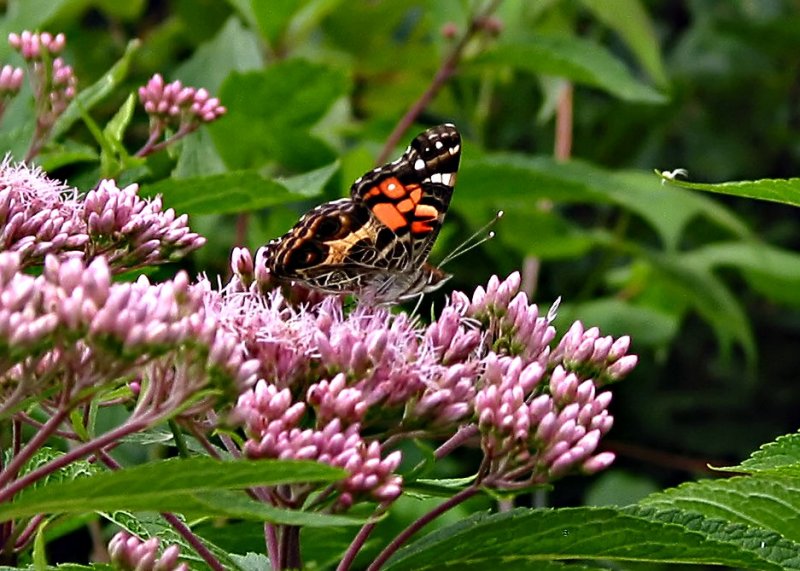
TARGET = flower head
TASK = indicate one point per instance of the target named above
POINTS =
(130, 553)
(338, 384)
(178, 107)
(39, 216)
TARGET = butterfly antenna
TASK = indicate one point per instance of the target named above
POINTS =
(483, 234)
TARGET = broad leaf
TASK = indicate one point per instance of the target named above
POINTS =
(529, 536)
(575, 59)
(234, 48)
(196, 486)
(631, 21)
(784, 190)
(781, 455)
(768, 502)
(770, 546)
(271, 112)
(222, 193)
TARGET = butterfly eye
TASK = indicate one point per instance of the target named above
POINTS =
(329, 227)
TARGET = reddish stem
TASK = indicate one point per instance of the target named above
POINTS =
(398, 541)
(362, 536)
(445, 72)
(25, 454)
(75, 454)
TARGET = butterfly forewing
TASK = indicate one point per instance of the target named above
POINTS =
(376, 243)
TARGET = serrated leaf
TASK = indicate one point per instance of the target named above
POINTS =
(527, 536)
(767, 502)
(183, 486)
(238, 191)
(783, 453)
(575, 59)
(783, 190)
(768, 545)
(92, 95)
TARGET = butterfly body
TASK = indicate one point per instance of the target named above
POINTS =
(375, 244)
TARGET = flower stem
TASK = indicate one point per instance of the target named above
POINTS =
(398, 541)
(76, 453)
(25, 454)
(358, 541)
(444, 73)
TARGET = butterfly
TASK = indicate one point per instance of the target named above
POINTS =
(375, 244)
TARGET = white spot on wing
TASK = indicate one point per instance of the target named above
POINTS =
(455, 149)
(439, 145)
(419, 164)
(436, 177)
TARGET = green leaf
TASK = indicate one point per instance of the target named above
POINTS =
(92, 95)
(576, 59)
(709, 296)
(271, 112)
(273, 17)
(772, 271)
(782, 454)
(193, 486)
(234, 48)
(230, 192)
(115, 128)
(526, 537)
(199, 157)
(39, 555)
(630, 20)
(763, 501)
(783, 190)
(766, 544)
(646, 325)
(61, 154)
(311, 183)
(519, 182)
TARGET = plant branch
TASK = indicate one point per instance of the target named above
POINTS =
(401, 538)
(443, 74)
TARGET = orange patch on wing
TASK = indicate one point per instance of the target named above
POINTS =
(421, 226)
(389, 215)
(416, 193)
(374, 191)
(392, 188)
(406, 205)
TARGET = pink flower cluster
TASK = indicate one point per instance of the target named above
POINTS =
(54, 82)
(130, 553)
(177, 107)
(331, 378)
(10, 80)
(272, 422)
(176, 101)
(70, 331)
(39, 216)
(32, 45)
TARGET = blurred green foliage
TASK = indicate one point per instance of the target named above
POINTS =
(707, 285)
